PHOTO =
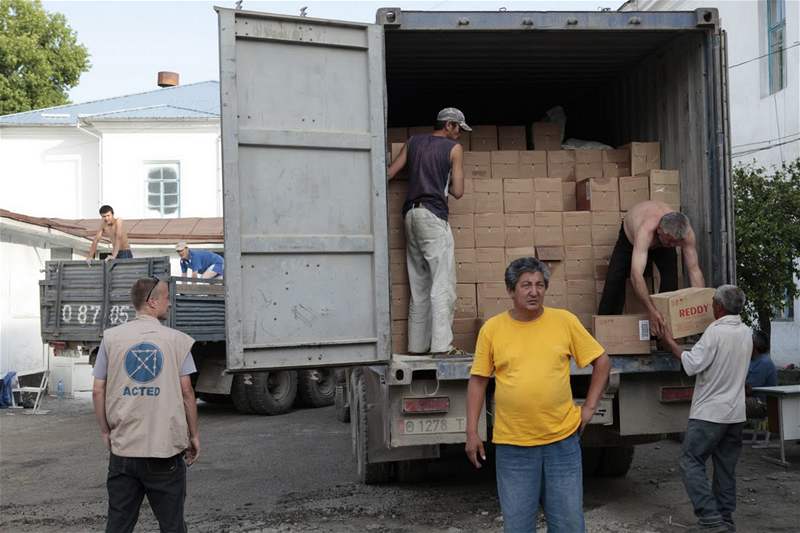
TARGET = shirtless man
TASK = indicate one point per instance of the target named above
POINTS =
(650, 233)
(111, 229)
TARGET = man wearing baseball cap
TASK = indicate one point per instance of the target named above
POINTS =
(206, 264)
(435, 168)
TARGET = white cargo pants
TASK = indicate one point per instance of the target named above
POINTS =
(430, 256)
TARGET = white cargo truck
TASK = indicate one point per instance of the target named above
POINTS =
(305, 108)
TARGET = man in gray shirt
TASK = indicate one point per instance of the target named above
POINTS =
(719, 361)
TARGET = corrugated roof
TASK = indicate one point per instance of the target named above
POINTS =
(194, 101)
(140, 231)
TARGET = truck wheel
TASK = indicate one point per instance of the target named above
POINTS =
(341, 406)
(316, 387)
(616, 461)
(239, 393)
(369, 474)
(590, 460)
(272, 393)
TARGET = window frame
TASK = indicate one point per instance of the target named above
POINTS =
(776, 60)
(149, 166)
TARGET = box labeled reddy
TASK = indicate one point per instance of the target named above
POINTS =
(623, 334)
(519, 230)
(533, 164)
(489, 230)
(548, 194)
(686, 311)
(632, 190)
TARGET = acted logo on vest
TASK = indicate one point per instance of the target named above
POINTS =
(143, 363)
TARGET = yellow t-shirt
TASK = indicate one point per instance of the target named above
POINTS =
(530, 361)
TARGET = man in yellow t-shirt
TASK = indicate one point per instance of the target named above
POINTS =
(536, 422)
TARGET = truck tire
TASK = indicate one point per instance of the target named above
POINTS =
(590, 460)
(616, 461)
(239, 393)
(369, 474)
(316, 387)
(341, 406)
(272, 393)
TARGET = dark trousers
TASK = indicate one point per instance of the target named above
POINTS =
(619, 270)
(163, 481)
(125, 254)
(716, 503)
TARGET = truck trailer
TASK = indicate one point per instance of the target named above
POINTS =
(306, 104)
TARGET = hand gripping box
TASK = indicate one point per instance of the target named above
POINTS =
(686, 311)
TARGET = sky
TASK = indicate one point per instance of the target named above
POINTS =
(130, 42)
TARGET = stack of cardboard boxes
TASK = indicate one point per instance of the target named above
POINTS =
(563, 206)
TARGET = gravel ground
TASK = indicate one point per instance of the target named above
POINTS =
(295, 473)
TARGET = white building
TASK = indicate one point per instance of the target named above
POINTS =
(149, 155)
(763, 40)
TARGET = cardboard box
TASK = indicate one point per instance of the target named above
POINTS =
(505, 165)
(579, 263)
(570, 200)
(599, 283)
(398, 271)
(556, 295)
(419, 130)
(623, 334)
(644, 157)
(489, 230)
(396, 135)
(556, 270)
(466, 271)
(561, 164)
(488, 196)
(466, 301)
(577, 228)
(665, 186)
(632, 190)
(597, 194)
(519, 230)
(400, 297)
(396, 192)
(634, 306)
(465, 333)
(463, 228)
(518, 195)
(483, 138)
(397, 231)
(602, 256)
(546, 136)
(605, 227)
(581, 295)
(550, 253)
(588, 164)
(548, 229)
(533, 164)
(548, 194)
(477, 165)
(464, 205)
(517, 253)
(512, 138)
(493, 299)
(616, 163)
(399, 330)
(464, 140)
(686, 311)
(490, 265)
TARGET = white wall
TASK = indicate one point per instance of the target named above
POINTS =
(49, 172)
(127, 149)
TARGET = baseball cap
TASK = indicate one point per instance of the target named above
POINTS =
(451, 114)
(180, 246)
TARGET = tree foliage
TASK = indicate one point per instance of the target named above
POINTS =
(40, 57)
(767, 211)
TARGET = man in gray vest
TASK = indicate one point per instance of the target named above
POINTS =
(435, 168)
(145, 406)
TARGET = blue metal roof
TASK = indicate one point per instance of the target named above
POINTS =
(185, 102)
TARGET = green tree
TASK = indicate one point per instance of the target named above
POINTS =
(40, 57)
(767, 210)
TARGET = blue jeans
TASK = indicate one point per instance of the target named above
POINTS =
(723, 443)
(551, 473)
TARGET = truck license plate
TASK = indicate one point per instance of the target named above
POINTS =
(417, 426)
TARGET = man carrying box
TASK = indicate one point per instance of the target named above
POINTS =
(720, 360)
(650, 232)
(435, 167)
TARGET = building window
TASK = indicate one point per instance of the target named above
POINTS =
(776, 37)
(164, 188)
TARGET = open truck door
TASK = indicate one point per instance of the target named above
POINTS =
(304, 180)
